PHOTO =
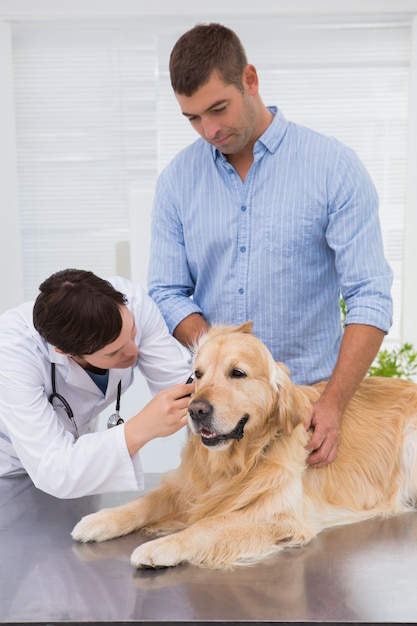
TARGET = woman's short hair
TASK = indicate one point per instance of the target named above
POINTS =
(202, 50)
(78, 312)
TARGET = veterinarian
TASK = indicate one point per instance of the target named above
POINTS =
(66, 358)
(264, 220)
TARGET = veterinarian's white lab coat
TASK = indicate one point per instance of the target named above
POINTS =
(38, 439)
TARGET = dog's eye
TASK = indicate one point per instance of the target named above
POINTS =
(237, 373)
(197, 374)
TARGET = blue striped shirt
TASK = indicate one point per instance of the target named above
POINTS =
(278, 249)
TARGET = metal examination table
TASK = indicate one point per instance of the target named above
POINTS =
(364, 573)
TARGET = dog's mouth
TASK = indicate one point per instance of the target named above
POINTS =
(209, 438)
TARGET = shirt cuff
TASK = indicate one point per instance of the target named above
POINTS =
(369, 317)
(178, 312)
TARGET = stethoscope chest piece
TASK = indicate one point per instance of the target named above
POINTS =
(114, 420)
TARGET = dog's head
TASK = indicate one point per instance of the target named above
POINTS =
(240, 390)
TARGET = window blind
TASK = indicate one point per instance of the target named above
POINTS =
(86, 131)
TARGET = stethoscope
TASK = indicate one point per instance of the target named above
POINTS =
(114, 420)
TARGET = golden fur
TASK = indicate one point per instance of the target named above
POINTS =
(243, 492)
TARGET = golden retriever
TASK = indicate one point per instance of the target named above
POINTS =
(243, 489)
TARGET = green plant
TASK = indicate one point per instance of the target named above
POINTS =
(342, 311)
(396, 363)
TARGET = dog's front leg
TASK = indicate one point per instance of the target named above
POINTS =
(122, 520)
(217, 542)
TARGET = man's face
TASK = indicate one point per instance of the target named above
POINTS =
(221, 114)
(122, 352)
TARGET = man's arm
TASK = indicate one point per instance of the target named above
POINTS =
(359, 347)
(189, 331)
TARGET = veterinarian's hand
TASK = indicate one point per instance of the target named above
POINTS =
(324, 441)
(164, 415)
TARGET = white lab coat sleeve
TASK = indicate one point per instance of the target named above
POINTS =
(162, 359)
(98, 462)
(58, 464)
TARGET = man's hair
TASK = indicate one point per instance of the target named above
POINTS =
(78, 312)
(202, 50)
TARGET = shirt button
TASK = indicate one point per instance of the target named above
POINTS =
(243, 208)
(243, 249)
(241, 290)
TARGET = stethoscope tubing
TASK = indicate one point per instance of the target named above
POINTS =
(113, 420)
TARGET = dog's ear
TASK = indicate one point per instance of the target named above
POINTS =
(225, 329)
(244, 328)
(293, 407)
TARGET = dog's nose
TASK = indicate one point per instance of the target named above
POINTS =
(200, 410)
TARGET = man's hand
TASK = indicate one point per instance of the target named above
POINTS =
(324, 442)
(360, 344)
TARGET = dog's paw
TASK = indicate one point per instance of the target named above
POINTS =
(96, 527)
(162, 552)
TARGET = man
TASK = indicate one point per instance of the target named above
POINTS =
(265, 220)
(68, 356)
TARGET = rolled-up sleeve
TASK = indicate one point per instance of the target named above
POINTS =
(354, 233)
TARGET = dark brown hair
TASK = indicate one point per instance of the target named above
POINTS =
(78, 312)
(200, 51)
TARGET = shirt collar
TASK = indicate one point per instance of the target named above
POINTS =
(269, 140)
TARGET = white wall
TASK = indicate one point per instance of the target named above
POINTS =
(409, 321)
(11, 290)
(41, 9)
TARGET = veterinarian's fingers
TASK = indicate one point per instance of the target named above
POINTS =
(173, 400)
(183, 390)
(184, 420)
(182, 404)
